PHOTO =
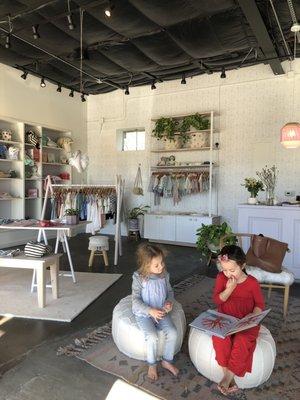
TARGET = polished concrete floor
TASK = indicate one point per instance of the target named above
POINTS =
(29, 366)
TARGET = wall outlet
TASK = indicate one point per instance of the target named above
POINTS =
(289, 193)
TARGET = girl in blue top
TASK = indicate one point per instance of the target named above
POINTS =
(152, 299)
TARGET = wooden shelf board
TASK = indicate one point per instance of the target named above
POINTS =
(206, 113)
(14, 179)
(11, 198)
(9, 142)
(46, 163)
(52, 148)
(184, 149)
(8, 160)
(32, 198)
(162, 167)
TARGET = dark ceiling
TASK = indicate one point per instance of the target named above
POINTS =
(144, 40)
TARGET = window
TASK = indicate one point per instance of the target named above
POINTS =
(133, 140)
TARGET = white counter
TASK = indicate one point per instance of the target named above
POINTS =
(281, 223)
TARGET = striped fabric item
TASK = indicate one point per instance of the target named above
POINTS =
(32, 138)
(36, 249)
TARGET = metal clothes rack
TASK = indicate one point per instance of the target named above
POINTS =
(119, 189)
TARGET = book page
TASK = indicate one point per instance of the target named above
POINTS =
(214, 323)
(248, 322)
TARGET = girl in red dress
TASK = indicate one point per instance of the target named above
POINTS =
(236, 294)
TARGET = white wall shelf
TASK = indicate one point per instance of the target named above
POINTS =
(19, 188)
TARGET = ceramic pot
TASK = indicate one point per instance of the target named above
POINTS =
(252, 200)
(133, 224)
(72, 219)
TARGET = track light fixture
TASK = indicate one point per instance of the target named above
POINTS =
(59, 88)
(24, 75)
(43, 84)
(183, 81)
(83, 99)
(35, 32)
(109, 9)
(7, 41)
(223, 73)
(71, 93)
(153, 85)
(127, 90)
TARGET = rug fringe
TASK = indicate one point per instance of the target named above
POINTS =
(81, 344)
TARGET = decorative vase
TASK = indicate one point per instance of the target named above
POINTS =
(252, 200)
(270, 196)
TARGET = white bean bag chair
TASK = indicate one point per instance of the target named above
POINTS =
(128, 337)
(203, 355)
(122, 390)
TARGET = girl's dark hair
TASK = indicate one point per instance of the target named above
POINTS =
(145, 253)
(234, 253)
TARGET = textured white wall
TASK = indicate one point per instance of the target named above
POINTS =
(253, 105)
(25, 100)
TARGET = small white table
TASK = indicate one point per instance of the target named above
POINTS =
(63, 231)
(39, 265)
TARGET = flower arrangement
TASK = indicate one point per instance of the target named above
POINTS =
(268, 177)
(253, 186)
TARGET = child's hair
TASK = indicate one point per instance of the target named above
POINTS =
(234, 253)
(145, 253)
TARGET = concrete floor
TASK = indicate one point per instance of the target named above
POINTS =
(29, 366)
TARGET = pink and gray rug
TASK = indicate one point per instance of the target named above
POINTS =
(98, 349)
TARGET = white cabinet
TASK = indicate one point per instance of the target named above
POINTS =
(159, 227)
(174, 228)
(281, 223)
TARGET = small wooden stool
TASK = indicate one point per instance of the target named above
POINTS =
(99, 247)
(135, 234)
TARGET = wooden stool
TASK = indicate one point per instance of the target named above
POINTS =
(134, 234)
(99, 247)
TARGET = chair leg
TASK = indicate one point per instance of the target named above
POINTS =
(269, 291)
(104, 253)
(286, 300)
(91, 259)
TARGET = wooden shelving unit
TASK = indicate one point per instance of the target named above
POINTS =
(19, 187)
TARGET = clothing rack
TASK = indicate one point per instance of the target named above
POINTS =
(119, 189)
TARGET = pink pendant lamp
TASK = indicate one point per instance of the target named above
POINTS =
(290, 135)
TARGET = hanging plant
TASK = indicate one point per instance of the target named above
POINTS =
(165, 129)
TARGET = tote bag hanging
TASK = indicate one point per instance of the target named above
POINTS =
(138, 183)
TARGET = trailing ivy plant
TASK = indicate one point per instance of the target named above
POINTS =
(197, 121)
(209, 237)
(165, 129)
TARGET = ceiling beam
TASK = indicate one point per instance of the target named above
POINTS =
(259, 29)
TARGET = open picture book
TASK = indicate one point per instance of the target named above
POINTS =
(222, 325)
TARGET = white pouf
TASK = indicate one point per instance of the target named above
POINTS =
(130, 339)
(202, 354)
(98, 243)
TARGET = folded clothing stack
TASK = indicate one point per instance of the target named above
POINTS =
(37, 249)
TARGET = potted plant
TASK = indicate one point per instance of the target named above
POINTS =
(165, 129)
(72, 216)
(134, 213)
(209, 237)
(253, 186)
(269, 177)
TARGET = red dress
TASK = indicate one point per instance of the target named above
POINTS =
(236, 351)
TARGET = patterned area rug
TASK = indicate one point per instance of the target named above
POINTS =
(194, 294)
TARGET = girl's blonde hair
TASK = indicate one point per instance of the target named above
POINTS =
(145, 253)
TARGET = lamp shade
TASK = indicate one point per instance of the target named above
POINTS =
(290, 135)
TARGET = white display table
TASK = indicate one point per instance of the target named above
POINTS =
(281, 223)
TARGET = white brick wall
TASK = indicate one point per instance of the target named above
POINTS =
(253, 105)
